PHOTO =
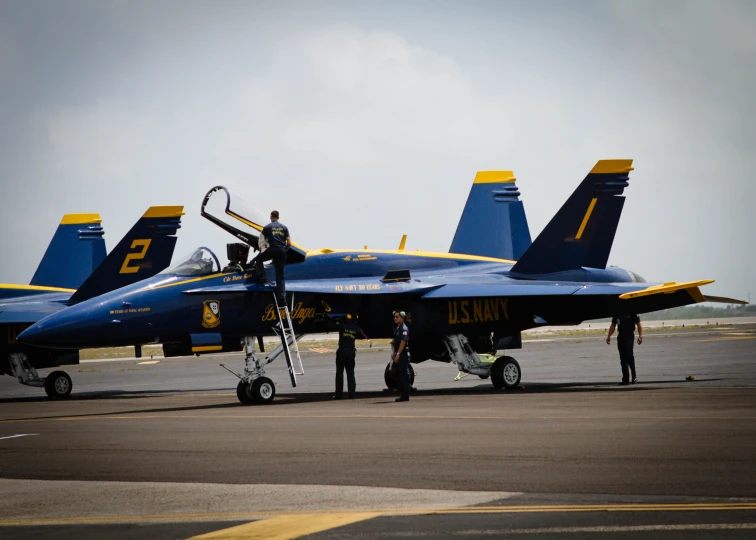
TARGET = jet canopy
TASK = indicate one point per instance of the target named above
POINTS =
(200, 262)
(233, 213)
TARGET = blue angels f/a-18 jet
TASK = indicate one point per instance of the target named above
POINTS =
(464, 307)
(74, 269)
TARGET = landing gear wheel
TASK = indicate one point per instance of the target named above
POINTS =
(58, 385)
(391, 376)
(506, 373)
(242, 392)
(263, 391)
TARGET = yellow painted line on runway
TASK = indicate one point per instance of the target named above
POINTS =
(366, 417)
(733, 338)
(363, 513)
(287, 527)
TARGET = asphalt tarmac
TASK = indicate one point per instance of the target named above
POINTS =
(164, 449)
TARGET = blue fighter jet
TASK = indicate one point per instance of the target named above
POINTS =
(464, 307)
(74, 269)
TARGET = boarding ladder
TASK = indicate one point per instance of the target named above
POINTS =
(285, 330)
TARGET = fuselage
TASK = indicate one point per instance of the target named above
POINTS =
(171, 307)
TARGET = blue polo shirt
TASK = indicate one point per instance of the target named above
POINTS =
(276, 233)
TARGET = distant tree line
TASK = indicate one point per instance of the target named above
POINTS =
(702, 312)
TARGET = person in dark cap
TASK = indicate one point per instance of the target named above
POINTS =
(277, 237)
(346, 354)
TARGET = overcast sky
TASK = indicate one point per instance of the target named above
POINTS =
(361, 121)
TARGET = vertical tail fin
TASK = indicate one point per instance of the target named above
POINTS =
(582, 231)
(493, 222)
(146, 250)
(74, 252)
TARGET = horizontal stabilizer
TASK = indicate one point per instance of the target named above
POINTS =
(582, 231)
(146, 250)
(493, 222)
(76, 249)
(667, 288)
(724, 300)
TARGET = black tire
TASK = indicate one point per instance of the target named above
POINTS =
(391, 377)
(506, 373)
(242, 392)
(483, 376)
(58, 385)
(263, 391)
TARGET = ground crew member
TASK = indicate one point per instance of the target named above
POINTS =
(627, 324)
(345, 355)
(400, 354)
(277, 236)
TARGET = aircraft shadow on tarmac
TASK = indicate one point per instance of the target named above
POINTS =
(316, 397)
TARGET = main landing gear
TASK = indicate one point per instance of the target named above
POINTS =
(57, 384)
(391, 376)
(505, 372)
(254, 387)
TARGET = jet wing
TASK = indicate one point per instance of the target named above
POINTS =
(584, 300)
(28, 312)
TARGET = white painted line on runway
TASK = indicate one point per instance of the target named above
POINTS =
(149, 362)
(19, 435)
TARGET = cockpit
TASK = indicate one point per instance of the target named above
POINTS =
(234, 214)
(200, 262)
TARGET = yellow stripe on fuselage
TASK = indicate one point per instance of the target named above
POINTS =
(494, 177)
(585, 219)
(203, 278)
(80, 219)
(206, 348)
(36, 287)
(328, 251)
(418, 253)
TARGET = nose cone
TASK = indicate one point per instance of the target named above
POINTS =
(62, 330)
(77, 327)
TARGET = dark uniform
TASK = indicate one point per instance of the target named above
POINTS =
(401, 333)
(276, 234)
(345, 356)
(625, 338)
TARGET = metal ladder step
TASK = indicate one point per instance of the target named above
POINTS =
(285, 330)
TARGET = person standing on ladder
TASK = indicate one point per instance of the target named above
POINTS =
(277, 236)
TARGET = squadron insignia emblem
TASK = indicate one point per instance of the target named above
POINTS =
(210, 313)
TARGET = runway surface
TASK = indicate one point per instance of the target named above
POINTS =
(164, 450)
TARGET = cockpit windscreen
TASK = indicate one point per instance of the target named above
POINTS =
(201, 262)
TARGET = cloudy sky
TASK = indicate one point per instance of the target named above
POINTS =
(361, 121)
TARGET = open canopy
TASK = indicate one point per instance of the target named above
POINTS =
(233, 213)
